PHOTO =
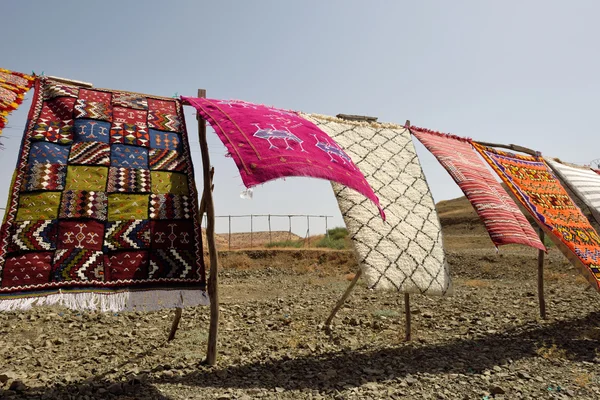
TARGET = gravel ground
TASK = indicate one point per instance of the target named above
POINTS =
(485, 342)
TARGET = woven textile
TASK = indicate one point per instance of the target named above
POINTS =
(537, 188)
(13, 86)
(268, 143)
(501, 217)
(91, 224)
(405, 252)
(583, 182)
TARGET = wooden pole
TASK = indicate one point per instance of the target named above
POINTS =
(251, 230)
(230, 232)
(213, 280)
(175, 324)
(541, 299)
(513, 147)
(341, 301)
(270, 237)
(408, 328)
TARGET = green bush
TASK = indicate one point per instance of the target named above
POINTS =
(337, 233)
(286, 243)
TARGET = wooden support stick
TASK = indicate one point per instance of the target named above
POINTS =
(201, 211)
(541, 299)
(343, 299)
(213, 280)
(513, 147)
(408, 329)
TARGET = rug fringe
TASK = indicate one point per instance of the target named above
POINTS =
(151, 300)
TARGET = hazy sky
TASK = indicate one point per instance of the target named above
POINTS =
(523, 72)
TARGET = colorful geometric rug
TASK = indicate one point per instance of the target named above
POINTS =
(501, 217)
(536, 187)
(13, 86)
(102, 213)
(268, 143)
(405, 252)
(582, 181)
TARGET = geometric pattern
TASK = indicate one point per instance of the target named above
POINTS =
(89, 130)
(128, 180)
(27, 269)
(129, 156)
(77, 218)
(169, 182)
(48, 153)
(166, 160)
(34, 235)
(90, 153)
(80, 234)
(128, 234)
(163, 121)
(77, 264)
(171, 263)
(127, 265)
(405, 252)
(38, 206)
(540, 192)
(171, 234)
(502, 218)
(169, 206)
(83, 177)
(45, 177)
(127, 206)
(92, 109)
(164, 140)
(583, 181)
(13, 87)
(84, 204)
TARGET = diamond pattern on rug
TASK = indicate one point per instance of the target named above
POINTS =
(38, 206)
(84, 204)
(171, 234)
(129, 100)
(45, 177)
(53, 131)
(91, 131)
(27, 269)
(127, 206)
(405, 252)
(129, 234)
(169, 182)
(84, 234)
(128, 180)
(170, 206)
(171, 263)
(48, 153)
(34, 235)
(127, 265)
(126, 156)
(93, 110)
(90, 153)
(164, 140)
(129, 127)
(166, 160)
(83, 177)
(77, 264)
(55, 89)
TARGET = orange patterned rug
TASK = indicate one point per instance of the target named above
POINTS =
(536, 187)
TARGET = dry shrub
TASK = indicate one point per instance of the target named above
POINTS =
(551, 353)
(580, 279)
(555, 276)
(583, 379)
(235, 260)
(476, 283)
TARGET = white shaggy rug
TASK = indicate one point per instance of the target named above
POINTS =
(405, 252)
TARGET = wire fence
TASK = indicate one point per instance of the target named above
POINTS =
(247, 231)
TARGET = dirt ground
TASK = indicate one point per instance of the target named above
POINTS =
(485, 342)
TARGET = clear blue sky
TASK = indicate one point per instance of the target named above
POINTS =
(523, 72)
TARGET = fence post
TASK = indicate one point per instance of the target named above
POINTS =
(326, 230)
(230, 232)
(307, 230)
(251, 230)
(270, 238)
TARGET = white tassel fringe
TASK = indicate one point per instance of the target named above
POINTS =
(150, 300)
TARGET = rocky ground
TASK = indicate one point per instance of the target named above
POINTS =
(485, 342)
